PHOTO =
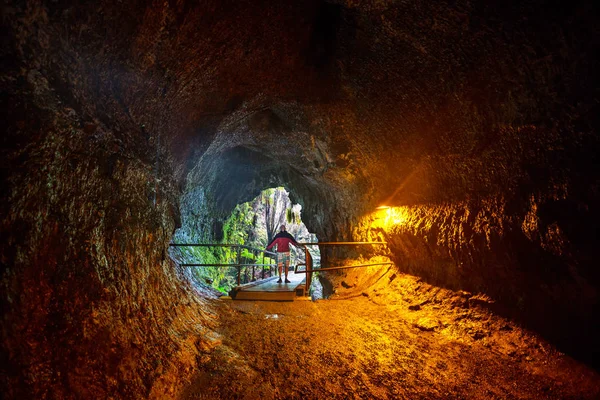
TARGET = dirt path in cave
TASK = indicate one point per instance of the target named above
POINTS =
(362, 348)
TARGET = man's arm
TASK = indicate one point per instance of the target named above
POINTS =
(273, 243)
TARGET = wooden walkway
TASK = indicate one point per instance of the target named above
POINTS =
(269, 290)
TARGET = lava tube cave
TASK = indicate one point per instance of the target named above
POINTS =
(443, 157)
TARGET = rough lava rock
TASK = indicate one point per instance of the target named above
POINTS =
(477, 122)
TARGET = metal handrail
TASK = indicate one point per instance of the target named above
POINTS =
(339, 243)
(309, 263)
(336, 268)
(221, 245)
(308, 258)
(237, 265)
(225, 265)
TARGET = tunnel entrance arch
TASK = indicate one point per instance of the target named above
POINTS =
(242, 236)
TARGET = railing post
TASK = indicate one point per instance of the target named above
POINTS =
(263, 265)
(253, 256)
(309, 265)
(239, 266)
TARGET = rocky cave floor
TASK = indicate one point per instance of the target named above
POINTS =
(412, 341)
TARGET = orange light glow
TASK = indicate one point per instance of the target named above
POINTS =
(395, 216)
(386, 217)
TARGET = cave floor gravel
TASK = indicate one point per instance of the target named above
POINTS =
(363, 348)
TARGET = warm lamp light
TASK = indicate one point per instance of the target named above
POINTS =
(388, 216)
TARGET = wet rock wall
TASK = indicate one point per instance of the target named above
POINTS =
(531, 256)
(91, 305)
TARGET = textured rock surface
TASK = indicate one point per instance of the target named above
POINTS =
(374, 347)
(479, 120)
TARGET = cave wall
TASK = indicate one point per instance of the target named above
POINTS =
(489, 149)
(499, 192)
(92, 306)
(529, 261)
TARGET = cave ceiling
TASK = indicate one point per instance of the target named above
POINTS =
(380, 101)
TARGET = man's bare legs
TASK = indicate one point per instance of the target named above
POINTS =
(283, 260)
(287, 267)
(280, 266)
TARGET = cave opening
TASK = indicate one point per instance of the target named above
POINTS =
(252, 224)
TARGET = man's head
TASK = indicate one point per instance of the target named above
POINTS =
(282, 228)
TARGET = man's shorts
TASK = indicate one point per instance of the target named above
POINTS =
(283, 258)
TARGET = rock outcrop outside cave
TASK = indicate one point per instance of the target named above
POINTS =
(476, 121)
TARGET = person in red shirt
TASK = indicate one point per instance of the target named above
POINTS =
(283, 240)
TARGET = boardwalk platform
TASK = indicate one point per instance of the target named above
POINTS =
(269, 290)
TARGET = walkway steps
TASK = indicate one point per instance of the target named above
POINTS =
(269, 290)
